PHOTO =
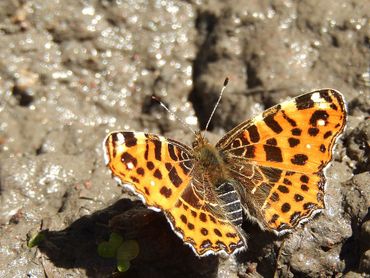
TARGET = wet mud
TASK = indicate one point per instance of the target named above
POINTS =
(71, 71)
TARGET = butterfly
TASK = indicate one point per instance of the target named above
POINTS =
(269, 169)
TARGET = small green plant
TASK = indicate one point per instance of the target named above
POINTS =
(123, 250)
(128, 251)
(35, 239)
(108, 249)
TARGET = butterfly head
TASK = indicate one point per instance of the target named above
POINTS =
(199, 141)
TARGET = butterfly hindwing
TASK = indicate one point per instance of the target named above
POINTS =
(205, 229)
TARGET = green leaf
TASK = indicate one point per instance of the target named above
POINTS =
(35, 240)
(128, 250)
(115, 239)
(106, 250)
(123, 266)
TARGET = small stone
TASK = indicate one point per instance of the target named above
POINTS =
(365, 262)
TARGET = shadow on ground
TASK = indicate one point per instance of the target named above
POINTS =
(162, 253)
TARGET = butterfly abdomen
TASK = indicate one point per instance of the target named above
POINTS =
(230, 202)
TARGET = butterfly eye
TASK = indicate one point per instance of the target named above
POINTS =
(195, 144)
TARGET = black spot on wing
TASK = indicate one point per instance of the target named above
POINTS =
(296, 131)
(231, 235)
(130, 139)
(253, 134)
(287, 181)
(272, 123)
(299, 159)
(273, 153)
(304, 102)
(172, 153)
(191, 226)
(322, 148)
(168, 166)
(319, 115)
(150, 165)
(304, 178)
(134, 179)
(285, 207)
(333, 106)
(128, 158)
(250, 153)
(217, 232)
(271, 141)
(313, 131)
(140, 171)
(165, 191)
(184, 219)
(289, 120)
(157, 174)
(283, 189)
(113, 138)
(304, 187)
(293, 142)
(146, 153)
(212, 219)
(174, 177)
(203, 217)
(325, 95)
(157, 149)
(327, 134)
(298, 197)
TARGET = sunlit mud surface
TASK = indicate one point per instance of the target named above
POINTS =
(71, 71)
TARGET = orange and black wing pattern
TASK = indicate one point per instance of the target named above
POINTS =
(153, 167)
(206, 229)
(160, 171)
(278, 158)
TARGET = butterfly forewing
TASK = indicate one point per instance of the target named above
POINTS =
(157, 169)
(280, 156)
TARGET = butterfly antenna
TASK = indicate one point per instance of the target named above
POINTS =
(173, 114)
(218, 101)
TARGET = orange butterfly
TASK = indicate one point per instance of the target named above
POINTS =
(269, 168)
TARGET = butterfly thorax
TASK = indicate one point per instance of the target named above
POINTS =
(209, 159)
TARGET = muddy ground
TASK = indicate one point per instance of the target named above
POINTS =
(71, 71)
